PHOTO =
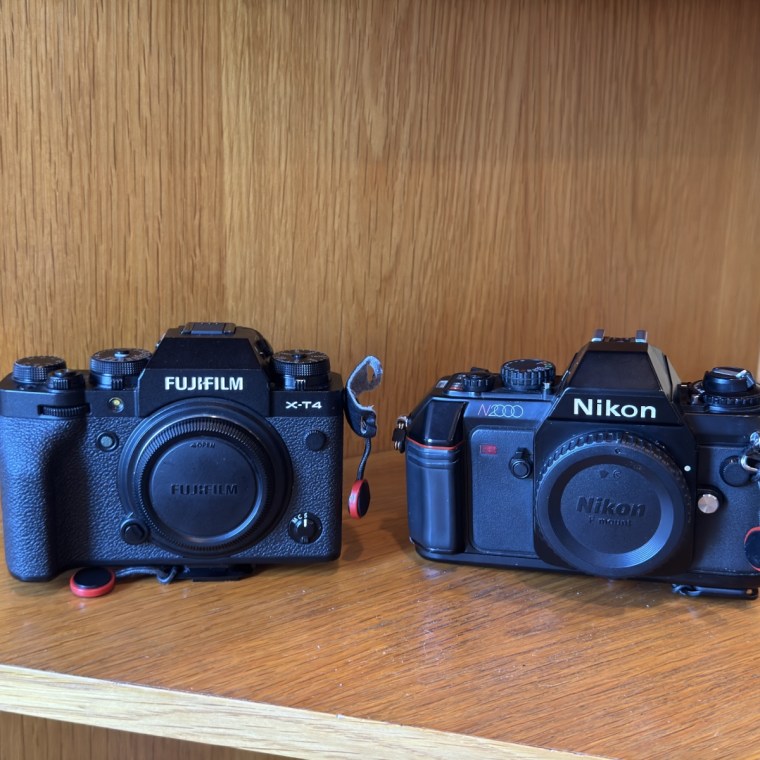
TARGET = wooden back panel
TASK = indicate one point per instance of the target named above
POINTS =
(442, 184)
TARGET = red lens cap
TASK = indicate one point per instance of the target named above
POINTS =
(358, 499)
(92, 581)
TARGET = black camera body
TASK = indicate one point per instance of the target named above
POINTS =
(618, 469)
(212, 452)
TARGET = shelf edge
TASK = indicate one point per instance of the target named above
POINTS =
(284, 731)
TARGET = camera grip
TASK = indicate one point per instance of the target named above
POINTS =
(434, 479)
(32, 450)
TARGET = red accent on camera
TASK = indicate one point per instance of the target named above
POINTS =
(358, 499)
(90, 582)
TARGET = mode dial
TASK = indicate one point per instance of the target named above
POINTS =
(730, 389)
(302, 369)
(35, 369)
(526, 374)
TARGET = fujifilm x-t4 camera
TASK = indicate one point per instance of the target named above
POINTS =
(618, 469)
(212, 452)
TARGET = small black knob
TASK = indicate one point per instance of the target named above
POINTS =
(65, 380)
(305, 528)
(315, 440)
(302, 369)
(733, 474)
(133, 531)
(520, 465)
(111, 366)
(35, 369)
(730, 389)
(478, 381)
(526, 374)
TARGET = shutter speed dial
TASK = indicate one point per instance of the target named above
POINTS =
(527, 374)
(302, 369)
(112, 366)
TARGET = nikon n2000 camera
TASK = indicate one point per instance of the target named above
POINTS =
(618, 469)
(213, 452)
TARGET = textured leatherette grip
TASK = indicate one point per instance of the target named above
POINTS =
(317, 486)
(28, 447)
(50, 480)
(62, 509)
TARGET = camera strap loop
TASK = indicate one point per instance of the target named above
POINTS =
(750, 459)
(163, 575)
(363, 421)
(366, 376)
(685, 589)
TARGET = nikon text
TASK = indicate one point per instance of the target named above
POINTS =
(603, 407)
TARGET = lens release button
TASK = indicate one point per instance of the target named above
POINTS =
(708, 502)
(133, 531)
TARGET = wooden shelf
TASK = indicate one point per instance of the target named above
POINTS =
(317, 661)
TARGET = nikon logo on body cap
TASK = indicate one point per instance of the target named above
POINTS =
(203, 383)
(601, 506)
(603, 407)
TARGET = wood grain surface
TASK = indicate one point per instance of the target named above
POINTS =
(26, 738)
(442, 184)
(617, 669)
(219, 721)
